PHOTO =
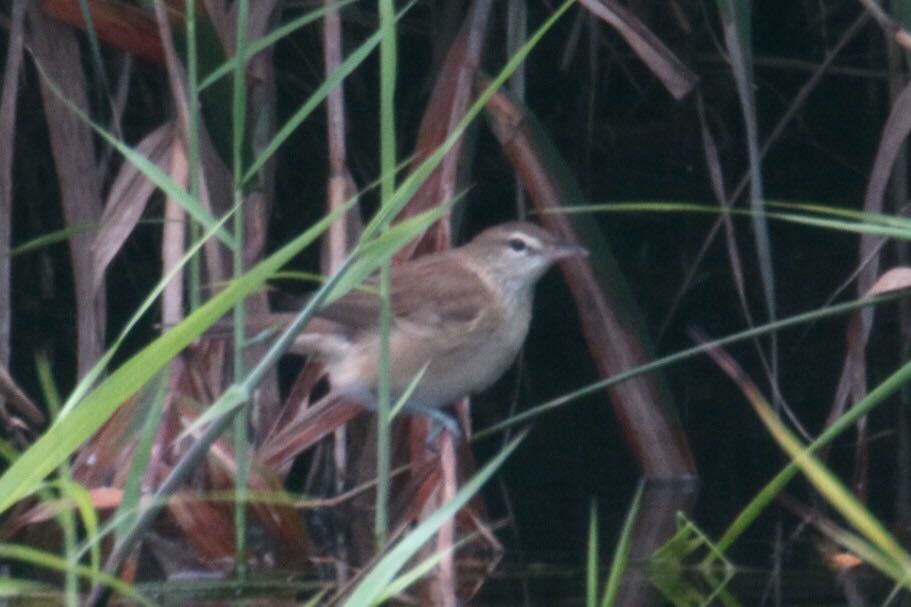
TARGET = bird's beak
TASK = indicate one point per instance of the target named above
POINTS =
(562, 250)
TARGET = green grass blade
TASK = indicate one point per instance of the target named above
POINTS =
(592, 563)
(344, 70)
(95, 372)
(415, 179)
(50, 561)
(269, 39)
(152, 403)
(374, 584)
(864, 223)
(50, 238)
(622, 551)
(161, 179)
(14, 588)
(821, 477)
(878, 395)
(388, 71)
(61, 440)
(406, 580)
(80, 496)
(406, 395)
(778, 325)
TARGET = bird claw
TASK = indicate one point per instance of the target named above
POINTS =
(442, 421)
(439, 421)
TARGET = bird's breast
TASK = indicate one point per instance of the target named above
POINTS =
(470, 362)
(459, 362)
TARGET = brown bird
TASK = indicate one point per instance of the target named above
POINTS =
(463, 312)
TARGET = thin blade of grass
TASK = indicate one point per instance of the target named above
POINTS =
(388, 72)
(375, 583)
(407, 579)
(127, 199)
(154, 394)
(95, 408)
(82, 498)
(349, 65)
(678, 79)
(874, 224)
(14, 588)
(592, 562)
(450, 98)
(608, 315)
(46, 560)
(622, 551)
(736, 25)
(406, 395)
(821, 477)
(50, 238)
(151, 171)
(269, 39)
(689, 352)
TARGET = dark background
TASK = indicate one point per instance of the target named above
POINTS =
(625, 139)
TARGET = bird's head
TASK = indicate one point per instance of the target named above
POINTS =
(517, 254)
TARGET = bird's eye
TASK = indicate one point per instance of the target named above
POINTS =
(517, 244)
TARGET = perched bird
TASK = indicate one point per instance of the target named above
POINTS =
(463, 312)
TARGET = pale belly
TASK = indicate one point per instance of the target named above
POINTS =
(451, 373)
(454, 376)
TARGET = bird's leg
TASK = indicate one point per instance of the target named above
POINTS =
(439, 421)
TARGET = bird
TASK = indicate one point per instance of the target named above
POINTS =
(460, 315)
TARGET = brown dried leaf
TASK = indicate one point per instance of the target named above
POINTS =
(173, 241)
(123, 26)
(342, 234)
(106, 457)
(895, 279)
(313, 424)
(448, 102)
(55, 49)
(214, 177)
(101, 498)
(895, 133)
(606, 311)
(673, 74)
(277, 518)
(128, 197)
(17, 399)
(852, 382)
(208, 527)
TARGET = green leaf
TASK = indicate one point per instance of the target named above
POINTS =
(373, 585)
(62, 439)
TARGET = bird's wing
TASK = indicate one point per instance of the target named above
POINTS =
(429, 292)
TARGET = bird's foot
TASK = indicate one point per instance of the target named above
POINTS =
(439, 421)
